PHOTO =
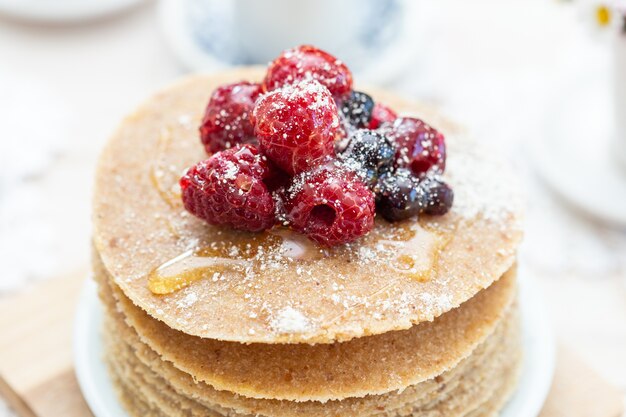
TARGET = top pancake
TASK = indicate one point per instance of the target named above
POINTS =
(289, 291)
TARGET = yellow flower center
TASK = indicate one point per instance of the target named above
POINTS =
(603, 15)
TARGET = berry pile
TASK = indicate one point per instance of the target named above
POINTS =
(306, 151)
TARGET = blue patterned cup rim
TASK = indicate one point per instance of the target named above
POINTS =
(201, 34)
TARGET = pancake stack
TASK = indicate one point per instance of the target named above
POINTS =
(419, 318)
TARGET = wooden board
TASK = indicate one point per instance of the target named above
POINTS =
(36, 371)
(37, 376)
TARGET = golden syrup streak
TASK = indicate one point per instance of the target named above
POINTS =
(236, 256)
(171, 198)
(418, 256)
(157, 171)
(188, 268)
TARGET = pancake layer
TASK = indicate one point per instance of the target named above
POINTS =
(416, 319)
(280, 279)
(474, 382)
(462, 389)
(301, 372)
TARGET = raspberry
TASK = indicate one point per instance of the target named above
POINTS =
(226, 121)
(228, 189)
(306, 62)
(296, 125)
(331, 206)
(418, 146)
(381, 114)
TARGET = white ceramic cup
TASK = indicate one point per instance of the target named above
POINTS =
(619, 91)
(265, 28)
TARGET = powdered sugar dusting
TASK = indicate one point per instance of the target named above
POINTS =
(482, 185)
(434, 302)
(310, 90)
(190, 299)
(290, 320)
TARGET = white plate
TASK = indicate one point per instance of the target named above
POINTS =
(63, 10)
(538, 368)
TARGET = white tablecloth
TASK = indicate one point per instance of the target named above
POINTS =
(492, 65)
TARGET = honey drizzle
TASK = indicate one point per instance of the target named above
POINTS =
(415, 255)
(188, 268)
(204, 262)
(171, 198)
(418, 251)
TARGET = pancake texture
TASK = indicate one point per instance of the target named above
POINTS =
(417, 319)
(372, 365)
(470, 384)
(335, 294)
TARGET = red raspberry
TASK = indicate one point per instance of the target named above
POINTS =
(381, 114)
(296, 125)
(418, 146)
(226, 121)
(228, 189)
(331, 206)
(308, 62)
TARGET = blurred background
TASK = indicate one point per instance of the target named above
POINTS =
(542, 81)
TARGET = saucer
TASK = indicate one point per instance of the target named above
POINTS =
(202, 35)
(573, 154)
(527, 401)
(63, 10)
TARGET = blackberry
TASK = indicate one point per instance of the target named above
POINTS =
(399, 195)
(437, 196)
(369, 154)
(357, 109)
